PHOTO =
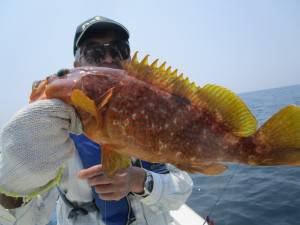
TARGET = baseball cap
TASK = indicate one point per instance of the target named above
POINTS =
(95, 25)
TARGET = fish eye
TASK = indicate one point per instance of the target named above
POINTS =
(62, 72)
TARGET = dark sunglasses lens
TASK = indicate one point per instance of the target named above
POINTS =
(123, 49)
(94, 53)
(117, 50)
(97, 51)
(114, 52)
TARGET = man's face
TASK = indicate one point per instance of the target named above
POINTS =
(101, 51)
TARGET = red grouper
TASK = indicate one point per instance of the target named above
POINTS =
(151, 113)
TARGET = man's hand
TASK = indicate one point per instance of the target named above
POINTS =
(117, 187)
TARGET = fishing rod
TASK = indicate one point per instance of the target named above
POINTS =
(213, 208)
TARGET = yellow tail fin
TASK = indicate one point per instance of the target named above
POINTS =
(281, 133)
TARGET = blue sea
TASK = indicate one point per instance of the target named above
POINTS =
(248, 195)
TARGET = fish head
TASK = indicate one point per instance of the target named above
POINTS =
(61, 84)
(58, 85)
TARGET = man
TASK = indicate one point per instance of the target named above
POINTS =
(141, 194)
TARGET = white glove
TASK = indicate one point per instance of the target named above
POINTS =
(34, 144)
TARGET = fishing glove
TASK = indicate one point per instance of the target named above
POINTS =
(34, 145)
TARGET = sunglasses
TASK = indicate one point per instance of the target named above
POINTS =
(116, 49)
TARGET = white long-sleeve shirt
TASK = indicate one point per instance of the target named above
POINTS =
(170, 191)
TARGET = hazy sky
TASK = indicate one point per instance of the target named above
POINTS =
(242, 45)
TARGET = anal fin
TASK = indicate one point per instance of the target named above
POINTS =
(113, 161)
(210, 169)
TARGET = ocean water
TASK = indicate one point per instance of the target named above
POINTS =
(248, 195)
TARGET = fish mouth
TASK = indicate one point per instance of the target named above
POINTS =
(38, 90)
(36, 84)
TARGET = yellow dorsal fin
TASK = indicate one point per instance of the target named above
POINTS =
(134, 59)
(225, 104)
(231, 108)
(159, 75)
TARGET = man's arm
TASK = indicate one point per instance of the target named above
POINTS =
(170, 190)
(34, 145)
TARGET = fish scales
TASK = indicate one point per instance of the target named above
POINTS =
(149, 121)
(141, 112)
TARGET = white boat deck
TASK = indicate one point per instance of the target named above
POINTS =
(186, 216)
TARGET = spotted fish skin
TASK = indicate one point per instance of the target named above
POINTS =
(136, 117)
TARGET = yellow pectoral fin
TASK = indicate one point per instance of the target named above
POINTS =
(81, 100)
(113, 161)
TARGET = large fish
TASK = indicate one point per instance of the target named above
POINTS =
(151, 113)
